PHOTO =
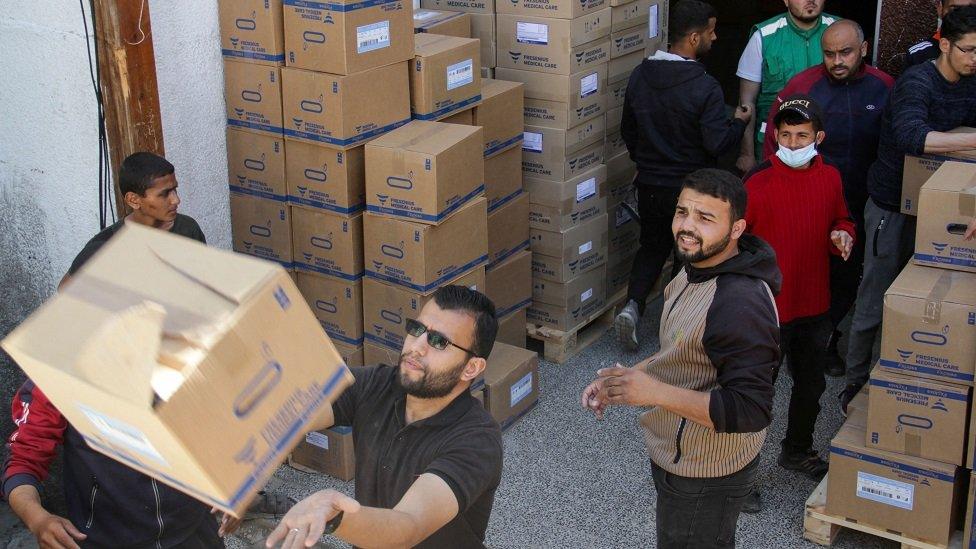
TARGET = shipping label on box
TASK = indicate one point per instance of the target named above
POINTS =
(919, 168)
(345, 111)
(325, 178)
(947, 204)
(508, 229)
(468, 6)
(352, 356)
(559, 101)
(503, 178)
(623, 42)
(657, 27)
(337, 304)
(328, 244)
(558, 46)
(256, 164)
(253, 93)
(553, 9)
(618, 273)
(511, 383)
(558, 205)
(550, 161)
(347, 36)
(252, 30)
(623, 232)
(168, 349)
(261, 228)
(500, 115)
(619, 69)
(511, 329)
(445, 76)
(929, 327)
(483, 28)
(447, 23)
(561, 256)
(579, 299)
(424, 171)
(509, 284)
(330, 451)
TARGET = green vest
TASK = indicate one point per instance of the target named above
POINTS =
(787, 51)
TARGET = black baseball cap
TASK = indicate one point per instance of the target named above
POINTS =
(801, 104)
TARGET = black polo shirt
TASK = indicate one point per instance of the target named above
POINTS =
(183, 225)
(461, 444)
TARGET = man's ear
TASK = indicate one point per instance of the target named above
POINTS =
(864, 49)
(133, 200)
(821, 135)
(945, 46)
(738, 228)
(473, 368)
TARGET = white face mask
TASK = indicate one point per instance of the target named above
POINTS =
(799, 157)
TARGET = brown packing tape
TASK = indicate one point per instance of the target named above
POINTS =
(967, 202)
(431, 131)
(933, 301)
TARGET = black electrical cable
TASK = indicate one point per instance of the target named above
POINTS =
(94, 70)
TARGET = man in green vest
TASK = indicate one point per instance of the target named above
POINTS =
(778, 49)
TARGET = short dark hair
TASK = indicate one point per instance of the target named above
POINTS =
(688, 16)
(719, 184)
(958, 23)
(791, 118)
(140, 169)
(476, 304)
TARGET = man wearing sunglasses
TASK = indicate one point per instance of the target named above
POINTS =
(428, 456)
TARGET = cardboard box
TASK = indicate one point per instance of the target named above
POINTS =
(918, 417)
(424, 171)
(386, 308)
(500, 115)
(330, 451)
(617, 92)
(560, 143)
(347, 36)
(968, 538)
(483, 28)
(378, 354)
(618, 273)
(261, 228)
(619, 188)
(558, 101)
(906, 494)
(467, 6)
(252, 30)
(328, 244)
(947, 204)
(623, 232)
(553, 9)
(337, 304)
(345, 111)
(423, 257)
(511, 329)
(509, 283)
(511, 383)
(615, 118)
(325, 178)
(919, 168)
(447, 23)
(614, 145)
(508, 229)
(256, 164)
(465, 118)
(559, 205)
(557, 46)
(487, 72)
(352, 356)
(445, 75)
(630, 40)
(657, 26)
(548, 159)
(621, 165)
(619, 69)
(503, 178)
(560, 257)
(565, 306)
(929, 326)
(252, 94)
(167, 349)
(629, 15)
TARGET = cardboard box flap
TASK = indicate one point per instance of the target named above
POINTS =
(425, 137)
(427, 44)
(935, 286)
(956, 177)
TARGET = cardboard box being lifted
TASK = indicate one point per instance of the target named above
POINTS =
(337, 304)
(252, 94)
(256, 164)
(261, 228)
(511, 383)
(553, 9)
(252, 30)
(500, 114)
(557, 46)
(919, 168)
(508, 229)
(447, 23)
(558, 101)
(562, 256)
(330, 451)
(325, 178)
(352, 356)
(328, 244)
(947, 205)
(445, 75)
(167, 350)
(559, 205)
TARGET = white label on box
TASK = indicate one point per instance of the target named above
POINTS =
(586, 247)
(885, 490)
(316, 438)
(652, 23)
(460, 74)
(586, 295)
(531, 33)
(423, 15)
(123, 434)
(589, 84)
(371, 37)
(532, 142)
(521, 389)
(585, 189)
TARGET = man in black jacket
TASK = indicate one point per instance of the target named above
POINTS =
(674, 123)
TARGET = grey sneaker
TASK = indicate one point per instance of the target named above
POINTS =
(626, 325)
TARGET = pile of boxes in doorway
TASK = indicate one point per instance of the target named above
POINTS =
(903, 459)
(364, 158)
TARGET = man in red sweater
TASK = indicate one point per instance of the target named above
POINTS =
(796, 204)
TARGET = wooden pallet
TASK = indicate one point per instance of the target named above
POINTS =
(559, 346)
(822, 528)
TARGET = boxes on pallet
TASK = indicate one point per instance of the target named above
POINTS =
(352, 356)
(511, 383)
(330, 451)
(947, 204)
(618, 272)
(467, 6)
(253, 94)
(918, 417)
(919, 168)
(557, 46)
(620, 187)
(629, 40)
(424, 171)
(509, 284)
(562, 256)
(500, 114)
(483, 28)
(337, 304)
(619, 69)
(447, 23)
(347, 36)
(566, 306)
(503, 177)
(445, 75)
(344, 111)
(616, 92)
(423, 257)
(326, 178)
(623, 232)
(620, 165)
(558, 155)
(553, 9)
(252, 30)
(465, 118)
(929, 327)
(328, 244)
(511, 329)
(256, 164)
(559, 101)
(615, 117)
(559, 205)
(261, 228)
(508, 229)
(614, 144)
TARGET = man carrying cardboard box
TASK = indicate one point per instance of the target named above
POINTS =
(709, 389)
(428, 457)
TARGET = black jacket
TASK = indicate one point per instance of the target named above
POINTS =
(674, 120)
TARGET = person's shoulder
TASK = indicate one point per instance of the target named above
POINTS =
(771, 26)
(478, 422)
(94, 244)
(827, 20)
(924, 47)
(879, 74)
(185, 225)
(757, 173)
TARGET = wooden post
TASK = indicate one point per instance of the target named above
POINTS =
(128, 80)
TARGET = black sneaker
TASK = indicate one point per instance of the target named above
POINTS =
(808, 463)
(753, 503)
(847, 395)
(833, 363)
(269, 505)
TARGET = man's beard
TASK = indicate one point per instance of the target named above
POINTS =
(703, 252)
(802, 17)
(430, 385)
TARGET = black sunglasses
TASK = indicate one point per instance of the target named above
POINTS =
(435, 339)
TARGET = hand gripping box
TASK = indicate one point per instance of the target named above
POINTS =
(511, 383)
(919, 168)
(509, 284)
(261, 228)
(500, 114)
(445, 75)
(559, 205)
(252, 94)
(168, 350)
(558, 46)
(327, 244)
(324, 178)
(447, 23)
(947, 205)
(508, 229)
(559, 101)
(252, 30)
(337, 304)
(562, 256)
(256, 164)
(564, 306)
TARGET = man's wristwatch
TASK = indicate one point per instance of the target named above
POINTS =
(333, 524)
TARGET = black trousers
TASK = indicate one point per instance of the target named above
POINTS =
(845, 276)
(697, 513)
(802, 344)
(655, 205)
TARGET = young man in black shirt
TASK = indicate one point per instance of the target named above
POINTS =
(428, 456)
(928, 49)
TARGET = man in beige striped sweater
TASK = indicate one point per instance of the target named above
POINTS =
(709, 390)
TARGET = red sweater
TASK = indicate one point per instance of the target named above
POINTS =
(795, 212)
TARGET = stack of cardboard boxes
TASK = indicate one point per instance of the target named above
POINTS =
(437, 15)
(899, 462)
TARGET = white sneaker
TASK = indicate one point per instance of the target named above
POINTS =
(626, 325)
